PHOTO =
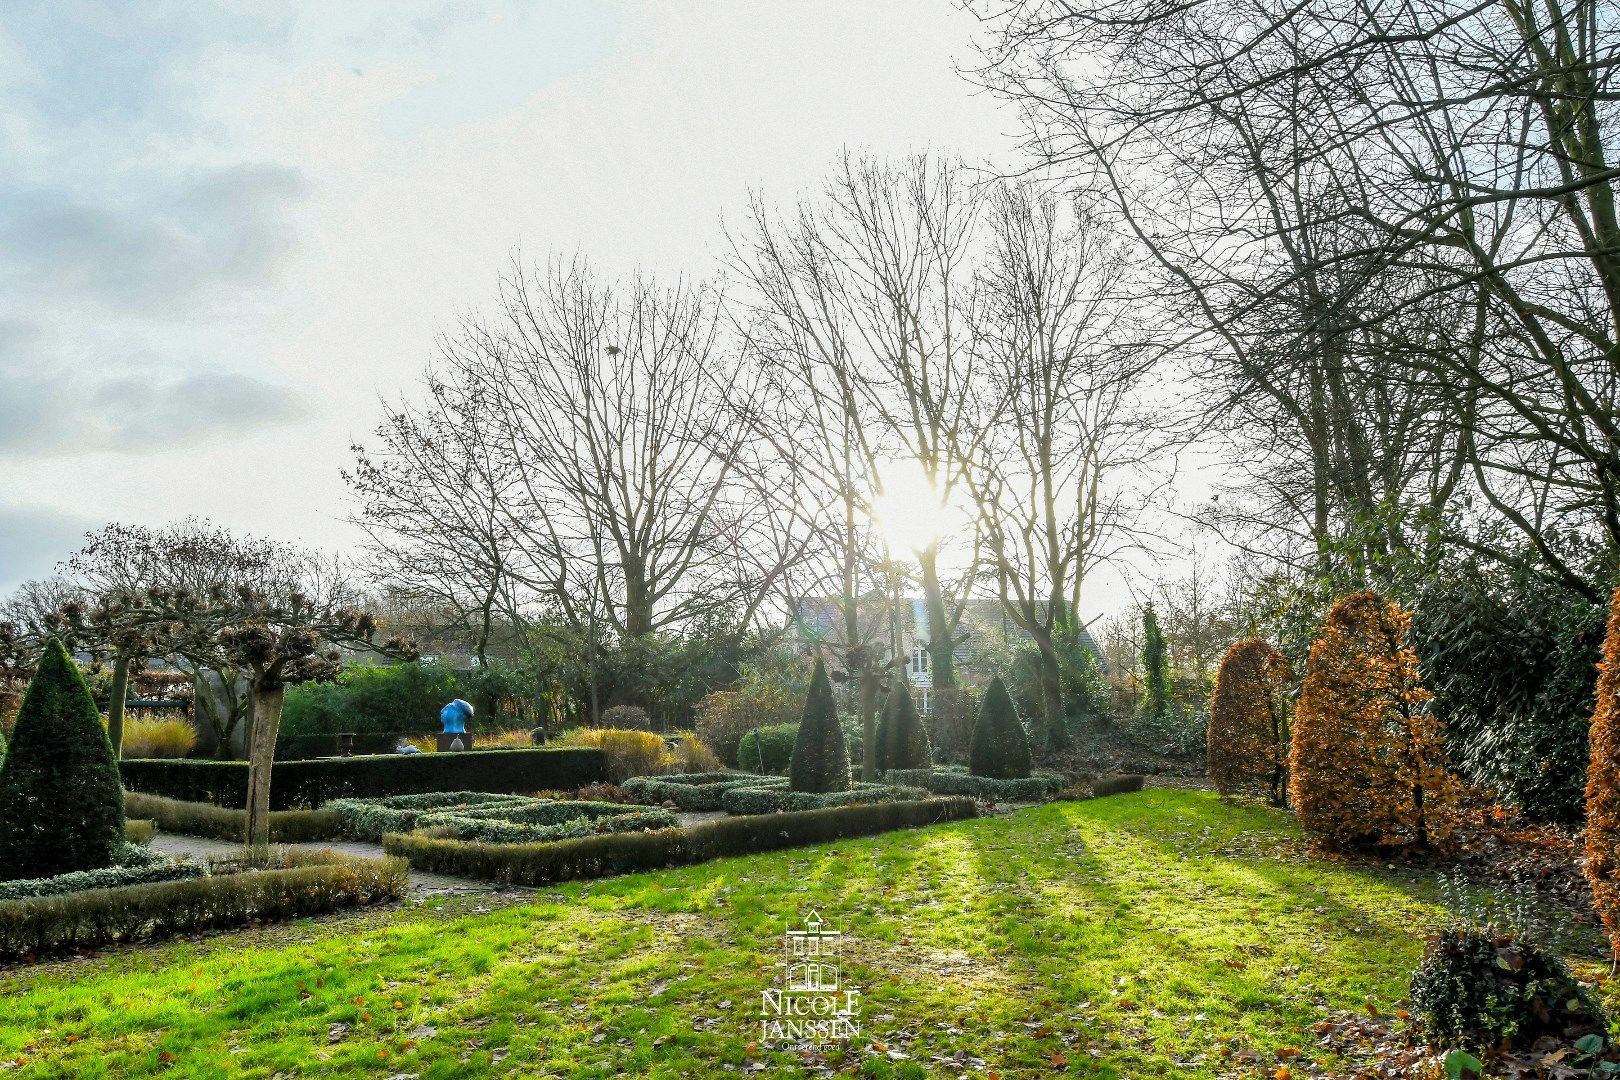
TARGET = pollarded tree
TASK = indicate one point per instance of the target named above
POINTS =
(61, 802)
(903, 741)
(1247, 737)
(820, 760)
(1000, 748)
(1603, 784)
(1367, 762)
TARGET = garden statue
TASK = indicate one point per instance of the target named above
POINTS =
(453, 718)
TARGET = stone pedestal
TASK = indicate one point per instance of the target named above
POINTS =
(448, 737)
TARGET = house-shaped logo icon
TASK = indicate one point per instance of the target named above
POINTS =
(813, 939)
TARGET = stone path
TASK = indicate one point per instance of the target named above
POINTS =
(421, 884)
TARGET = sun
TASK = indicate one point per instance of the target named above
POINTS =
(909, 513)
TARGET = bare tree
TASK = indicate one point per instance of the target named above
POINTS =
(1051, 454)
(1417, 173)
(874, 281)
(608, 400)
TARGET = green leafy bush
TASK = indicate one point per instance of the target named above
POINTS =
(955, 780)
(1000, 748)
(776, 800)
(296, 884)
(820, 761)
(697, 792)
(1511, 659)
(221, 823)
(768, 749)
(367, 698)
(61, 806)
(299, 784)
(622, 853)
(1486, 982)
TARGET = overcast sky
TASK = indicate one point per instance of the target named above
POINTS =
(227, 228)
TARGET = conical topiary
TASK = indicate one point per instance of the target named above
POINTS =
(820, 760)
(905, 740)
(61, 803)
(1000, 749)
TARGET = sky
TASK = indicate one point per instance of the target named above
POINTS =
(229, 230)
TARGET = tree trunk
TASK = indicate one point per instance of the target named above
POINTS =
(869, 695)
(267, 701)
(1054, 735)
(941, 649)
(115, 704)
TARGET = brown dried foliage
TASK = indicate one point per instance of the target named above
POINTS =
(1247, 751)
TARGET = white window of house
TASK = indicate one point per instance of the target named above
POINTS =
(919, 660)
(924, 706)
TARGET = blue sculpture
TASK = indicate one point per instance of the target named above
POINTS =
(454, 716)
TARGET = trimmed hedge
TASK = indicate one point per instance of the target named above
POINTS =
(619, 853)
(108, 877)
(308, 784)
(820, 761)
(775, 800)
(500, 830)
(368, 819)
(958, 781)
(1117, 785)
(221, 823)
(1000, 747)
(697, 792)
(300, 883)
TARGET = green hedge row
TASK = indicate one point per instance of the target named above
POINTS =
(775, 800)
(500, 830)
(206, 819)
(619, 853)
(109, 877)
(308, 784)
(958, 781)
(696, 792)
(300, 884)
(1117, 785)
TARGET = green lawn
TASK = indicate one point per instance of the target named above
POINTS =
(1136, 935)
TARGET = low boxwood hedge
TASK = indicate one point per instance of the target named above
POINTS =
(1118, 785)
(221, 823)
(110, 877)
(368, 819)
(773, 800)
(296, 884)
(500, 830)
(619, 853)
(955, 780)
(695, 792)
(308, 784)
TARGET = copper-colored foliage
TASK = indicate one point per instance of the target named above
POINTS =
(1603, 784)
(1367, 764)
(1245, 722)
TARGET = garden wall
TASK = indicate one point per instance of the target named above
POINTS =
(308, 784)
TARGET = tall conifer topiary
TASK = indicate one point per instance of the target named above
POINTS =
(820, 760)
(1603, 784)
(905, 740)
(1000, 748)
(61, 803)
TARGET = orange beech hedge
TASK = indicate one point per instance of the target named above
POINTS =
(1367, 764)
(1246, 733)
(1603, 784)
